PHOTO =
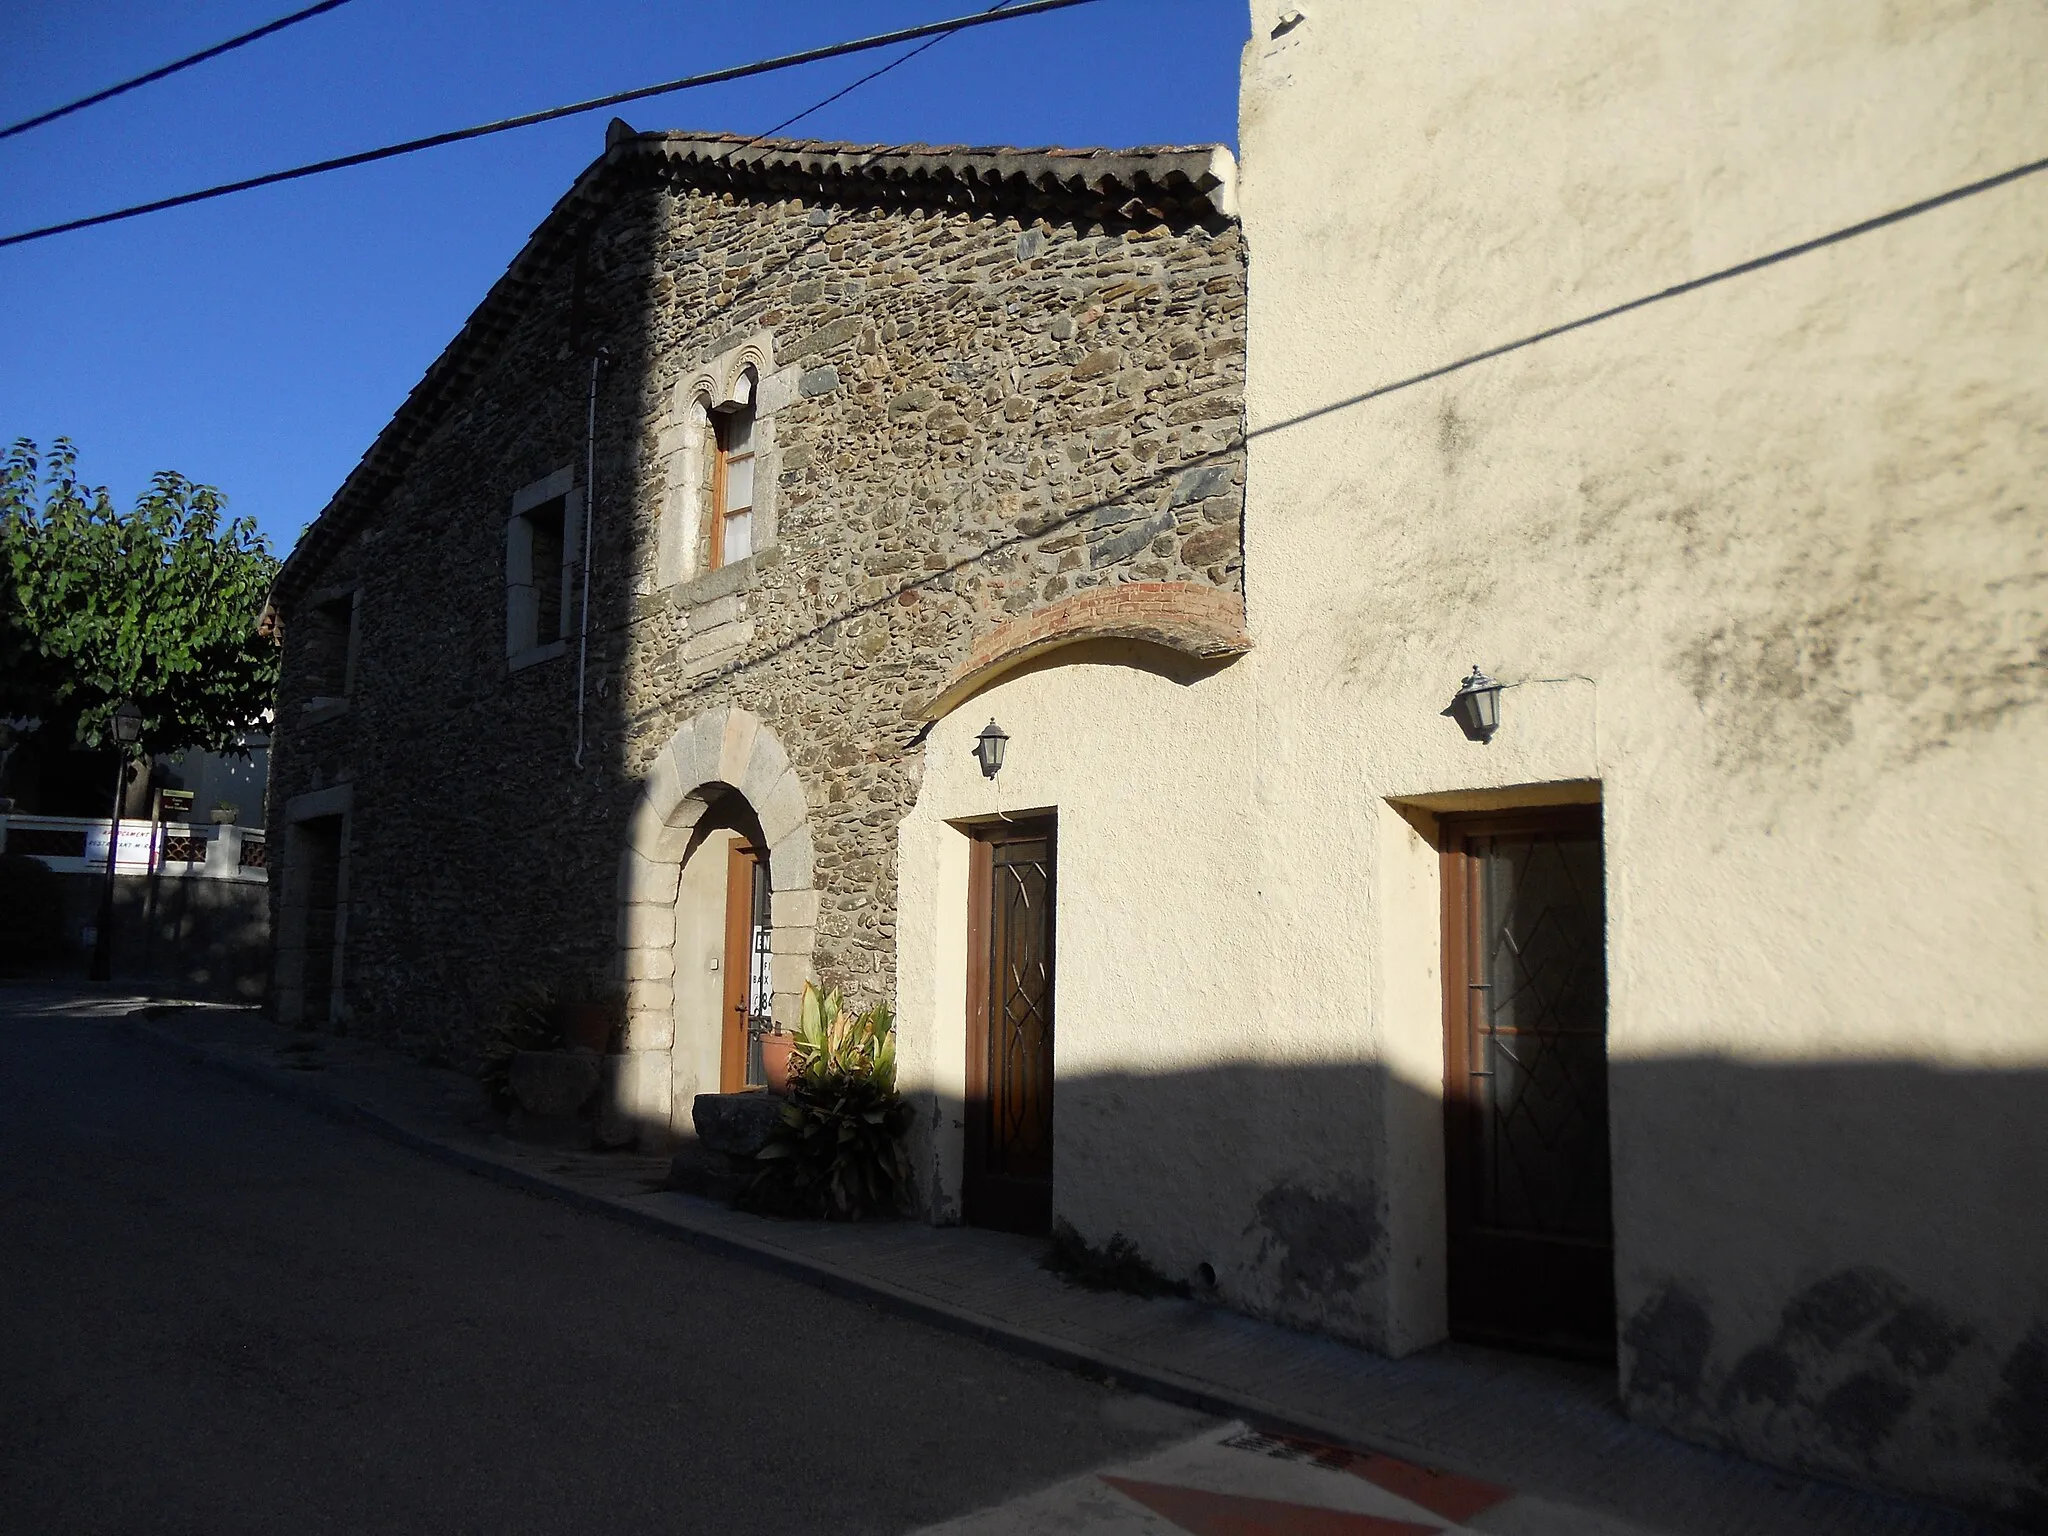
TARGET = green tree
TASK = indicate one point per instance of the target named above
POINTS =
(159, 604)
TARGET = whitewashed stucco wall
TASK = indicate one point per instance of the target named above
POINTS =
(1767, 561)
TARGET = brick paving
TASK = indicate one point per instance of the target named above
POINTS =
(1549, 1434)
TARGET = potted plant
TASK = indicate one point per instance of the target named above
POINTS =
(595, 1021)
(838, 1150)
(226, 814)
(776, 1048)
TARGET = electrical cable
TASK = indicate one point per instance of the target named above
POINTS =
(873, 74)
(598, 357)
(552, 114)
(170, 69)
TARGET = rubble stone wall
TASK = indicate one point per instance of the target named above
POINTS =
(964, 415)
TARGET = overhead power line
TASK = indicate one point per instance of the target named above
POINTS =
(170, 69)
(531, 119)
(874, 74)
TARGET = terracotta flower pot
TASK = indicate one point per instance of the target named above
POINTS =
(591, 1026)
(775, 1051)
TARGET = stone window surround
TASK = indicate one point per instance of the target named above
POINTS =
(521, 604)
(686, 448)
(327, 706)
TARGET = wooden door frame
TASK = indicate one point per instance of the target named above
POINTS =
(741, 857)
(982, 838)
(1462, 963)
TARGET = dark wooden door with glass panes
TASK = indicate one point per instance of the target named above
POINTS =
(746, 961)
(1008, 1173)
(1525, 1081)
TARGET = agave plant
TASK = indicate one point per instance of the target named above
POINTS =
(829, 1043)
(838, 1152)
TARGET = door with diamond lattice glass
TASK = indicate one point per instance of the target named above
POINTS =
(1008, 1173)
(1525, 1084)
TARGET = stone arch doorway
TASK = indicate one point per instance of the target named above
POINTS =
(721, 794)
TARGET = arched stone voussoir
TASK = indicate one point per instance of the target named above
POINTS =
(660, 826)
(790, 860)
(1201, 622)
(766, 766)
(721, 749)
(647, 880)
(783, 808)
(742, 728)
(696, 749)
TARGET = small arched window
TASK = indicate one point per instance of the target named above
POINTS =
(732, 481)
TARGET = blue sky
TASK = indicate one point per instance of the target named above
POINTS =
(259, 342)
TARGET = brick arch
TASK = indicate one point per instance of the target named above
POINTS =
(1199, 621)
(719, 750)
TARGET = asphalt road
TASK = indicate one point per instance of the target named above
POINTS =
(220, 1312)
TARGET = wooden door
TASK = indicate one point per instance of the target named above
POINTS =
(746, 960)
(317, 844)
(1012, 895)
(1525, 1081)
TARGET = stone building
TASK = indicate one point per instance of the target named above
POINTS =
(865, 425)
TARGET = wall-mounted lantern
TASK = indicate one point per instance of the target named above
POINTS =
(988, 749)
(1476, 706)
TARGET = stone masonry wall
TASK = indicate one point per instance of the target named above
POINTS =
(966, 415)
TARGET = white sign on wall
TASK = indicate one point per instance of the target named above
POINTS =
(134, 849)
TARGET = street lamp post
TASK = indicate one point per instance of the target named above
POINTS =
(127, 731)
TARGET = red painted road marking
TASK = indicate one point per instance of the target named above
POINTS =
(1456, 1498)
(1231, 1514)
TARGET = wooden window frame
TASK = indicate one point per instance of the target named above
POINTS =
(722, 461)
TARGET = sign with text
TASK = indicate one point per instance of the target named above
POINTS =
(135, 845)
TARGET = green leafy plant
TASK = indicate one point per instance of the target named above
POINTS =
(1117, 1267)
(838, 1152)
(159, 604)
(529, 1019)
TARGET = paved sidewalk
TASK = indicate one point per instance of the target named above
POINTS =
(1546, 1433)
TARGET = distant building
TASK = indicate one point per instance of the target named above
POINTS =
(220, 781)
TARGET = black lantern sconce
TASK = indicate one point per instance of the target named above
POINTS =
(988, 749)
(128, 724)
(1476, 706)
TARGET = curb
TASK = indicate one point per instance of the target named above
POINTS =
(1096, 1365)
(1093, 1364)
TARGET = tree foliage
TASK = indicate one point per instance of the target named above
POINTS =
(159, 604)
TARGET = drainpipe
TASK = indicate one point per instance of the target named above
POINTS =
(589, 500)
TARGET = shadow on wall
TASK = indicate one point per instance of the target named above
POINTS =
(181, 938)
(1840, 1268)
(1836, 1268)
